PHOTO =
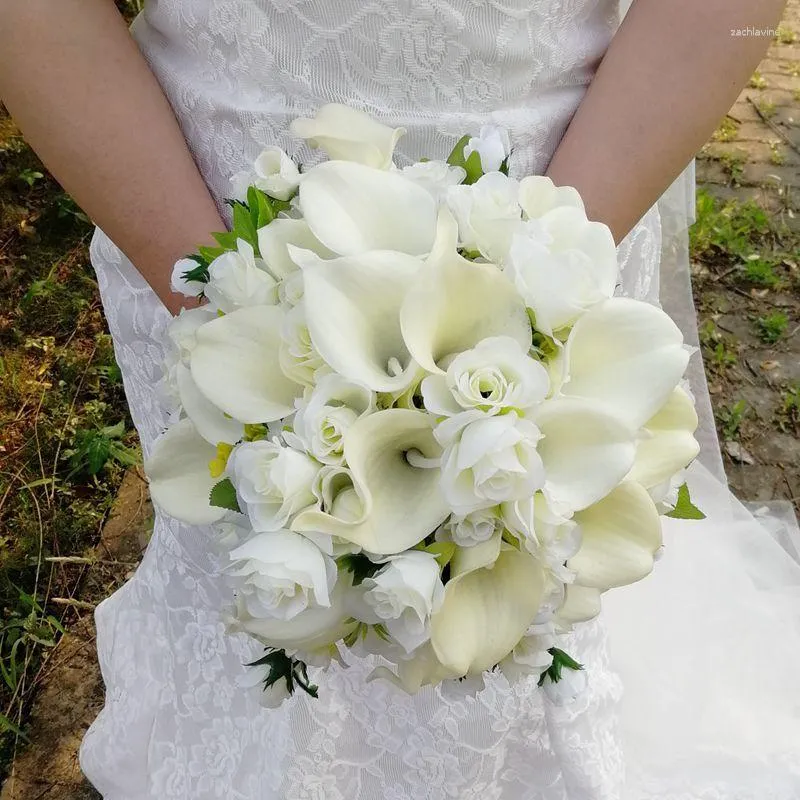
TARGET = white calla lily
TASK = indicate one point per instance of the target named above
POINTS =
(486, 611)
(179, 477)
(619, 537)
(353, 209)
(209, 421)
(274, 240)
(454, 304)
(412, 674)
(538, 195)
(586, 451)
(236, 365)
(626, 354)
(581, 603)
(352, 307)
(349, 134)
(668, 444)
(401, 503)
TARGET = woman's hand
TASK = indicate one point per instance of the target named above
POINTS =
(86, 101)
(673, 70)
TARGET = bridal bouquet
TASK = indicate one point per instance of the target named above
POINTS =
(422, 424)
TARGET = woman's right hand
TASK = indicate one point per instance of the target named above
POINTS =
(86, 101)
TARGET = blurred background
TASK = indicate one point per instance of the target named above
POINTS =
(74, 514)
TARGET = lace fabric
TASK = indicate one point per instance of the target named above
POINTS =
(175, 722)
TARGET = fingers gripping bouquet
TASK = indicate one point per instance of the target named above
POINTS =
(420, 420)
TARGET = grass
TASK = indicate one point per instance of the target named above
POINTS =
(730, 419)
(65, 434)
(771, 327)
(757, 81)
(726, 131)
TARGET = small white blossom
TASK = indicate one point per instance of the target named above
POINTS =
(474, 528)
(435, 176)
(492, 145)
(239, 279)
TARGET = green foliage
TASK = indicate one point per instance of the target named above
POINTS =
(93, 448)
(731, 228)
(561, 661)
(730, 419)
(30, 176)
(684, 507)
(223, 495)
(772, 326)
(359, 565)
(470, 164)
(281, 667)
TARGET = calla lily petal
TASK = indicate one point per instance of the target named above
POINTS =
(422, 670)
(455, 303)
(538, 195)
(670, 444)
(586, 452)
(352, 307)
(485, 613)
(619, 536)
(402, 504)
(274, 239)
(581, 603)
(209, 421)
(353, 209)
(180, 481)
(627, 354)
(236, 365)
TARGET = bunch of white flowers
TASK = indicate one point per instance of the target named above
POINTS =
(438, 433)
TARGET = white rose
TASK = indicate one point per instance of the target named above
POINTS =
(403, 595)
(298, 357)
(567, 690)
(323, 419)
(562, 264)
(273, 172)
(273, 482)
(290, 291)
(495, 375)
(487, 213)
(181, 286)
(435, 176)
(239, 279)
(530, 656)
(347, 134)
(488, 460)
(492, 145)
(280, 574)
(474, 528)
(268, 696)
(551, 538)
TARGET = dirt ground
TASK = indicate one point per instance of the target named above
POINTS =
(746, 273)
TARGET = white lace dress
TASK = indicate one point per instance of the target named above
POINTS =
(710, 706)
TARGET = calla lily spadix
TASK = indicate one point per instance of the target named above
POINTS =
(626, 354)
(585, 449)
(209, 421)
(352, 307)
(236, 365)
(402, 504)
(455, 303)
(619, 537)
(668, 444)
(353, 209)
(180, 481)
(486, 611)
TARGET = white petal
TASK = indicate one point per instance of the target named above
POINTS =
(581, 603)
(346, 133)
(619, 536)
(670, 444)
(180, 481)
(455, 303)
(210, 422)
(273, 241)
(235, 364)
(402, 504)
(626, 354)
(538, 195)
(586, 452)
(352, 309)
(353, 209)
(486, 612)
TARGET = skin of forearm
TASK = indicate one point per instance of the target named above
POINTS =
(85, 99)
(672, 71)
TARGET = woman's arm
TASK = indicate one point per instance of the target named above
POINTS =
(76, 84)
(671, 73)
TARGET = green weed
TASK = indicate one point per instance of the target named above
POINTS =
(730, 419)
(772, 326)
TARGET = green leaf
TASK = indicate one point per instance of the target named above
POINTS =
(243, 225)
(442, 551)
(456, 157)
(262, 211)
(473, 167)
(685, 508)
(226, 239)
(223, 495)
(198, 273)
(561, 661)
(359, 565)
(208, 254)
